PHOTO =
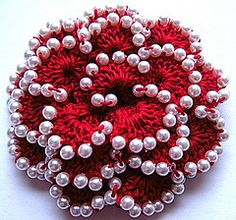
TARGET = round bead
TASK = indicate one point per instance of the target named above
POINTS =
(21, 131)
(148, 208)
(109, 198)
(200, 111)
(103, 22)
(136, 28)
(183, 131)
(32, 172)
(107, 172)
(95, 184)
(188, 65)
(46, 91)
(34, 62)
(118, 57)
(111, 99)
(159, 206)
(220, 124)
(32, 136)
(163, 135)
(135, 161)
(63, 202)
(10, 88)
(63, 179)
(80, 181)
(113, 18)
(183, 143)
(95, 28)
(97, 100)
(133, 60)
(55, 27)
(107, 127)
(148, 167)
(85, 47)
(164, 96)
(218, 149)
(43, 52)
(135, 211)
(119, 167)
(149, 143)
(68, 25)
(102, 59)
(42, 140)
(127, 202)
(75, 210)
(85, 151)
(224, 94)
(53, 43)
(168, 49)
(177, 178)
(203, 165)
(194, 90)
(98, 138)
(144, 67)
(33, 44)
(17, 94)
(15, 118)
(49, 112)
(68, 42)
(54, 142)
(167, 197)
(211, 156)
(190, 168)
(162, 169)
(179, 54)
(126, 21)
(177, 189)
(14, 106)
(195, 77)
(92, 69)
(169, 120)
(45, 127)
(30, 76)
(136, 145)
(151, 90)
(223, 81)
(156, 50)
(84, 34)
(98, 202)
(85, 83)
(34, 89)
(163, 20)
(196, 47)
(138, 40)
(186, 102)
(212, 96)
(115, 181)
(118, 142)
(67, 152)
(175, 153)
(60, 96)
(136, 92)
(11, 132)
(22, 163)
(54, 165)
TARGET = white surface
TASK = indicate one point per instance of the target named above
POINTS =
(210, 196)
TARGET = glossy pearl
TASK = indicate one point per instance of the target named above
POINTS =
(200, 111)
(85, 47)
(33, 44)
(163, 20)
(102, 59)
(68, 42)
(63, 179)
(138, 40)
(168, 49)
(55, 191)
(177, 189)
(68, 25)
(92, 69)
(195, 77)
(183, 143)
(85, 151)
(188, 64)
(144, 67)
(169, 120)
(136, 28)
(113, 18)
(109, 198)
(133, 60)
(194, 90)
(212, 96)
(159, 206)
(167, 197)
(42, 140)
(97, 100)
(83, 33)
(46, 91)
(220, 124)
(54, 142)
(118, 142)
(196, 47)
(164, 96)
(10, 88)
(98, 202)
(23, 84)
(118, 57)
(63, 202)
(46, 127)
(151, 90)
(115, 181)
(119, 167)
(186, 102)
(111, 99)
(213, 116)
(49, 152)
(32, 137)
(14, 78)
(107, 172)
(21, 131)
(34, 89)
(127, 203)
(179, 54)
(55, 165)
(107, 127)
(103, 22)
(17, 94)
(85, 83)
(182, 118)
(183, 131)
(67, 152)
(148, 208)
(53, 43)
(95, 28)
(49, 112)
(60, 96)
(177, 178)
(135, 211)
(136, 145)
(149, 143)
(175, 153)
(135, 161)
(136, 92)
(49, 176)
(95, 184)
(55, 27)
(163, 135)
(223, 81)
(224, 94)
(34, 62)
(75, 210)
(22, 163)
(11, 132)
(80, 181)
(98, 138)
(30, 76)
(43, 52)
(148, 167)
(218, 149)
(162, 169)
(32, 172)
(211, 156)
(126, 21)
(203, 165)
(190, 168)
(86, 210)
(14, 106)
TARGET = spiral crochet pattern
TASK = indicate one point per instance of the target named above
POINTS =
(115, 109)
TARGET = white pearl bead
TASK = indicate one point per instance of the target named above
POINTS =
(178, 189)
(32, 172)
(107, 127)
(183, 131)
(138, 40)
(118, 57)
(95, 184)
(34, 62)
(42, 140)
(12, 141)
(109, 198)
(188, 64)
(156, 50)
(84, 34)
(195, 77)
(143, 53)
(186, 102)
(45, 90)
(212, 96)
(182, 118)
(168, 49)
(68, 42)
(95, 28)
(14, 106)
(34, 89)
(23, 84)
(175, 153)
(135, 211)
(115, 181)
(169, 120)
(22, 163)
(60, 96)
(102, 59)
(111, 99)
(43, 52)
(213, 116)
(98, 138)
(148, 208)
(148, 167)
(80, 181)
(17, 94)
(118, 142)
(224, 94)
(133, 60)
(203, 165)
(119, 167)
(196, 47)
(136, 145)
(200, 111)
(223, 80)
(53, 43)
(85, 151)
(149, 143)
(98, 202)
(75, 210)
(49, 152)
(194, 90)
(10, 88)
(164, 96)
(159, 206)
(85, 47)
(113, 18)
(32, 137)
(103, 22)
(126, 21)
(163, 135)
(92, 69)
(163, 20)
(136, 28)
(21, 131)
(167, 197)
(15, 118)
(55, 27)
(14, 78)
(162, 169)
(30, 76)
(11, 132)
(82, 21)
(55, 165)
(177, 179)
(63, 202)
(190, 168)
(127, 202)
(135, 161)
(21, 68)
(67, 152)
(63, 179)
(194, 37)
(97, 100)
(138, 93)
(85, 83)
(220, 124)
(86, 210)
(144, 67)
(180, 54)
(211, 156)
(33, 44)
(54, 142)
(107, 172)
(151, 90)
(68, 25)
(218, 149)
(224, 136)
(49, 112)
(183, 143)
(46, 127)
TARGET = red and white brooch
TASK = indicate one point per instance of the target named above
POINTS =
(115, 109)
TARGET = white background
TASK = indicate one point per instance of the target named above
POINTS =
(212, 196)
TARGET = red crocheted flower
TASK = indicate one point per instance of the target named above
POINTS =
(113, 108)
